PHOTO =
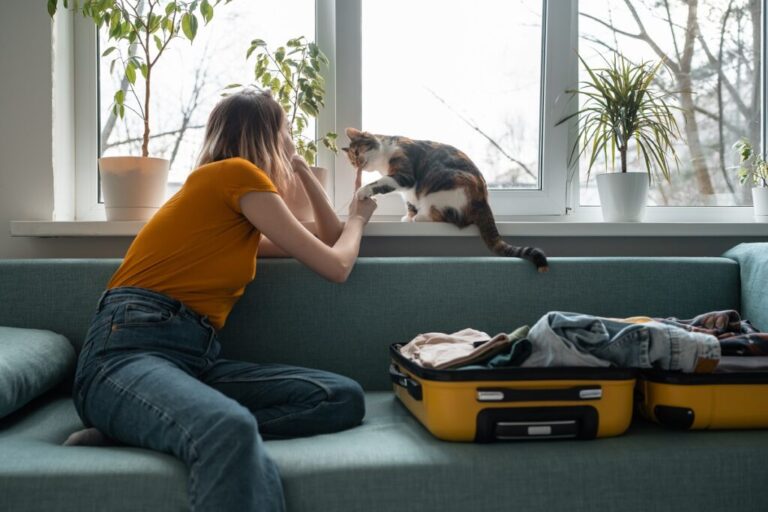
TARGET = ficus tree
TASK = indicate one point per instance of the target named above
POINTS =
(292, 73)
(146, 26)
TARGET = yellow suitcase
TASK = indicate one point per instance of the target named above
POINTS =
(515, 403)
(735, 396)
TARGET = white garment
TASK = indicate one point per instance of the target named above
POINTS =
(439, 350)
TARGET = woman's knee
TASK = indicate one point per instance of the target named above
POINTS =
(235, 423)
(348, 398)
(225, 432)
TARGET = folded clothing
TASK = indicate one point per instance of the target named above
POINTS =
(574, 339)
(737, 337)
(439, 350)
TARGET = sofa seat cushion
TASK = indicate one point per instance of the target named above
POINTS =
(391, 463)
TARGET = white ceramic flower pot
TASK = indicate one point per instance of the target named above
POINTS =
(133, 187)
(623, 196)
(760, 203)
(321, 173)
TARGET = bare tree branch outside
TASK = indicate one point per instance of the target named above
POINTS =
(711, 49)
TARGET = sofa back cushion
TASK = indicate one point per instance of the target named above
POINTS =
(290, 315)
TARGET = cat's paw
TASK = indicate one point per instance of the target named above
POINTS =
(407, 218)
(422, 217)
(364, 193)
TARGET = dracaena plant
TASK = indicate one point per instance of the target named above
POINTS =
(292, 73)
(752, 166)
(147, 27)
(621, 105)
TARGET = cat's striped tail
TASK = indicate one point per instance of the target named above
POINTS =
(482, 217)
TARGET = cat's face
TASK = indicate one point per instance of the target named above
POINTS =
(363, 148)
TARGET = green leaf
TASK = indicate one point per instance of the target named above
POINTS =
(119, 96)
(155, 23)
(112, 67)
(207, 11)
(258, 42)
(309, 109)
(144, 70)
(189, 26)
(108, 51)
(280, 54)
(170, 8)
(158, 42)
(130, 72)
(114, 21)
(52, 7)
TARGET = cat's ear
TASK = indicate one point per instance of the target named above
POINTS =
(346, 150)
(354, 133)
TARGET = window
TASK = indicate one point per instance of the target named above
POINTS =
(424, 72)
(189, 80)
(487, 77)
(712, 49)
(476, 86)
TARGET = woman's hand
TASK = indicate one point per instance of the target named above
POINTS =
(362, 208)
(299, 164)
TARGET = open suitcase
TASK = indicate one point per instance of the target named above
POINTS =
(515, 403)
(735, 396)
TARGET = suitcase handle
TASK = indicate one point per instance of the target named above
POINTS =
(497, 424)
(402, 380)
(574, 394)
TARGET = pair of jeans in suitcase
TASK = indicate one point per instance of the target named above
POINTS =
(574, 339)
(149, 375)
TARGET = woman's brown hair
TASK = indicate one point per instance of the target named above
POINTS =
(247, 125)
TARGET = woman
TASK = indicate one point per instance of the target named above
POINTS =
(149, 374)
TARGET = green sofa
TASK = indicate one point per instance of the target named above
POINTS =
(391, 463)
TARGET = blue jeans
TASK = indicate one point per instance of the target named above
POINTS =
(574, 339)
(149, 375)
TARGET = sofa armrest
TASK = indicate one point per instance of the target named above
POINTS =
(753, 269)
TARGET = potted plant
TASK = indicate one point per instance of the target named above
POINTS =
(753, 167)
(621, 107)
(134, 187)
(292, 73)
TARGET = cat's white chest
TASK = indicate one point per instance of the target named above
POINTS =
(410, 196)
(456, 199)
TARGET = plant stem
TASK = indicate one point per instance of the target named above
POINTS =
(147, 84)
(296, 87)
(623, 153)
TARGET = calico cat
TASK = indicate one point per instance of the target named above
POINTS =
(439, 183)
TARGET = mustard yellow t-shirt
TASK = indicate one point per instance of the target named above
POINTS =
(199, 248)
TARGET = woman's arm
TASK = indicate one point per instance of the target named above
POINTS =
(269, 214)
(327, 223)
(268, 249)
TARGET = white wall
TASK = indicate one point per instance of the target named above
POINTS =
(26, 176)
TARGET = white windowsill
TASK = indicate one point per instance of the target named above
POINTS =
(379, 228)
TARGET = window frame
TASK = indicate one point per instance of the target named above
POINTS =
(339, 34)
